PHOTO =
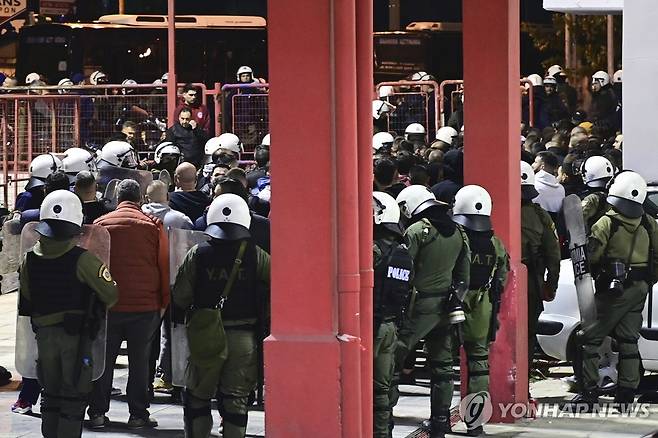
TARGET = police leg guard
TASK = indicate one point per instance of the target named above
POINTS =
(233, 410)
(71, 416)
(197, 417)
(50, 409)
(629, 363)
(478, 366)
(382, 411)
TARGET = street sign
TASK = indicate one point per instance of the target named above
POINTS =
(56, 7)
(11, 8)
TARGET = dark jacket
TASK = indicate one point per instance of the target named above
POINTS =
(191, 204)
(190, 141)
(604, 106)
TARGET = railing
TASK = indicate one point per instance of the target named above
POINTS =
(245, 112)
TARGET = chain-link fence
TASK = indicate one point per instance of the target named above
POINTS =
(246, 112)
(413, 102)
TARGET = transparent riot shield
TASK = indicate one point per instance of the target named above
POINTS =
(180, 242)
(108, 173)
(110, 194)
(95, 239)
(165, 177)
(10, 255)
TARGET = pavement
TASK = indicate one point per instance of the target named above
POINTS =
(412, 409)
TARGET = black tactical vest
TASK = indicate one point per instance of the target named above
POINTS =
(392, 280)
(483, 257)
(214, 263)
(54, 284)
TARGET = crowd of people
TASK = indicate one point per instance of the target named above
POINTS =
(440, 270)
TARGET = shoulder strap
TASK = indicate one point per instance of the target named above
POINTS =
(234, 272)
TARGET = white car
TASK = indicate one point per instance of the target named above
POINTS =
(560, 321)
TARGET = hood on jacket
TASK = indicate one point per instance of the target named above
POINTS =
(156, 209)
(544, 178)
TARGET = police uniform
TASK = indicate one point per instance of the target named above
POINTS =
(540, 253)
(57, 280)
(594, 207)
(488, 275)
(441, 258)
(393, 274)
(231, 373)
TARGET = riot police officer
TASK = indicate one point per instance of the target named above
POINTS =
(596, 171)
(222, 275)
(441, 256)
(621, 248)
(393, 274)
(488, 275)
(59, 282)
(540, 253)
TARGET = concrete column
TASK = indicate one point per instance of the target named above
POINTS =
(492, 154)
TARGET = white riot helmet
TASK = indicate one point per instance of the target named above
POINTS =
(420, 76)
(118, 153)
(386, 212)
(382, 139)
(597, 171)
(472, 208)
(616, 78)
(536, 80)
(31, 78)
(76, 160)
(166, 148)
(266, 140)
(549, 80)
(97, 78)
(63, 84)
(60, 215)
(446, 134)
(415, 199)
(601, 77)
(164, 78)
(128, 83)
(40, 168)
(245, 69)
(554, 70)
(386, 91)
(528, 191)
(381, 107)
(415, 132)
(228, 218)
(627, 192)
(226, 141)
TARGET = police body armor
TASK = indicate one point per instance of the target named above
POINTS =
(483, 259)
(56, 288)
(393, 277)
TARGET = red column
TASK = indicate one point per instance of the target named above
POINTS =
(313, 356)
(492, 154)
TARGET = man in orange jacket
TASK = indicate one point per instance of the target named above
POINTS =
(139, 257)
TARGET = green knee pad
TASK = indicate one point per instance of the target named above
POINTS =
(196, 416)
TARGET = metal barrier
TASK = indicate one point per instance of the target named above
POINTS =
(245, 112)
(415, 102)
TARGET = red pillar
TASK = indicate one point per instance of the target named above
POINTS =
(313, 356)
(491, 159)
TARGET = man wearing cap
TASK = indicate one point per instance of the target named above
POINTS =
(218, 285)
(57, 280)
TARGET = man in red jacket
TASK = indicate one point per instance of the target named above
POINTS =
(191, 99)
(139, 257)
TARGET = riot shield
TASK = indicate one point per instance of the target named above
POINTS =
(10, 255)
(108, 173)
(95, 239)
(165, 177)
(110, 194)
(180, 242)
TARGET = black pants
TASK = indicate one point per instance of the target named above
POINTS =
(137, 329)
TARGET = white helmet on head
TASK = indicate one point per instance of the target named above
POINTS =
(420, 76)
(386, 91)
(63, 83)
(41, 167)
(536, 80)
(266, 140)
(382, 139)
(597, 171)
(119, 153)
(60, 215)
(97, 77)
(380, 107)
(601, 77)
(227, 141)
(415, 128)
(386, 212)
(415, 199)
(627, 193)
(472, 208)
(76, 160)
(553, 70)
(166, 148)
(164, 78)
(31, 78)
(616, 78)
(446, 134)
(528, 191)
(244, 69)
(228, 218)
(549, 80)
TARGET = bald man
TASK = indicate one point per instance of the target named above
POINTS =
(156, 198)
(187, 199)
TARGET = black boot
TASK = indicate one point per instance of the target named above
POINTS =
(582, 403)
(648, 397)
(438, 425)
(476, 431)
(624, 399)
